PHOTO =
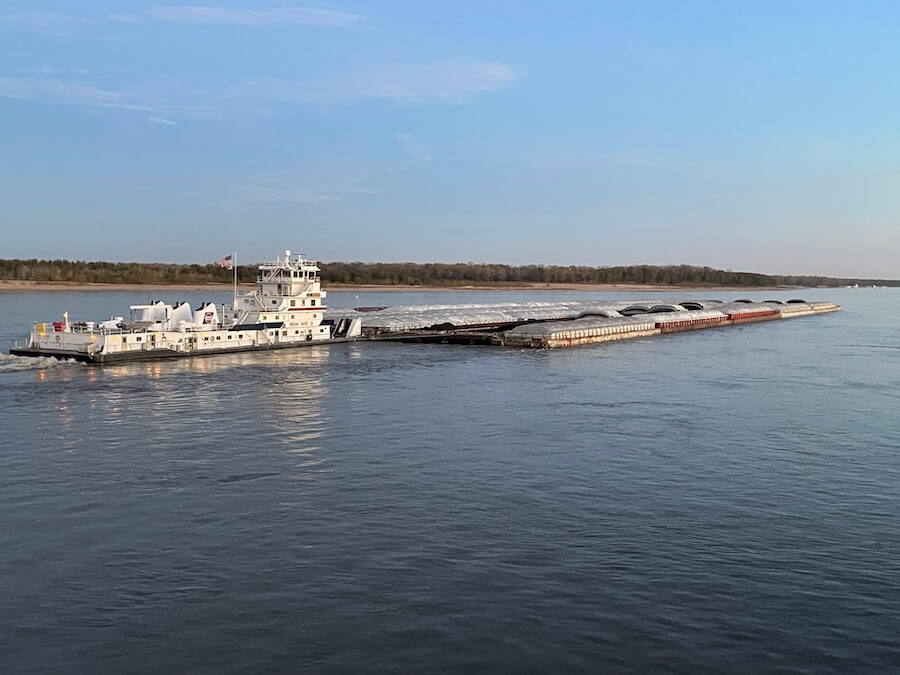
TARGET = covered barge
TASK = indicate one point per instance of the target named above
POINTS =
(549, 325)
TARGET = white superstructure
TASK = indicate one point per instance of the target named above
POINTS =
(285, 309)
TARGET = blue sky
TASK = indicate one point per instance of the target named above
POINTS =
(750, 136)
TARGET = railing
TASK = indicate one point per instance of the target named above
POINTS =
(44, 329)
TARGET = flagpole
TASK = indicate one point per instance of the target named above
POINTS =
(234, 267)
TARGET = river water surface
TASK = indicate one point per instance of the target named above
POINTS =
(724, 500)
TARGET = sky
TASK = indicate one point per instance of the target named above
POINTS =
(756, 136)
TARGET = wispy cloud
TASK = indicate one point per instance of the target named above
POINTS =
(414, 148)
(164, 99)
(315, 193)
(47, 69)
(169, 99)
(56, 24)
(40, 20)
(444, 81)
(73, 93)
(199, 14)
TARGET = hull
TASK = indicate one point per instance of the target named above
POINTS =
(99, 358)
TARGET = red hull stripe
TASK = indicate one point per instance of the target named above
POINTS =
(305, 309)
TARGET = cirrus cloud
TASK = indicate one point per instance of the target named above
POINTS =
(203, 14)
(448, 82)
(437, 81)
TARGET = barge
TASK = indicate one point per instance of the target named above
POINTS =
(553, 325)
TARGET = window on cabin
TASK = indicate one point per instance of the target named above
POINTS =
(138, 339)
(229, 337)
(293, 303)
(284, 332)
(312, 303)
(218, 337)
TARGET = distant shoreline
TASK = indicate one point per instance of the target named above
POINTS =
(56, 286)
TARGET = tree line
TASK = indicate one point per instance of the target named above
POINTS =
(412, 274)
(80, 271)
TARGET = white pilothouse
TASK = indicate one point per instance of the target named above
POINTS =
(285, 309)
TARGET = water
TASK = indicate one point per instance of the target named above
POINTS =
(724, 500)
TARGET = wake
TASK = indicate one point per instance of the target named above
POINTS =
(15, 364)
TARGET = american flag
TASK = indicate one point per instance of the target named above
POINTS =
(226, 261)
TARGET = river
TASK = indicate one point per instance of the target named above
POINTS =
(725, 500)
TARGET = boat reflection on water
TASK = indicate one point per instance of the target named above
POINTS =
(293, 404)
(244, 402)
(277, 393)
(218, 363)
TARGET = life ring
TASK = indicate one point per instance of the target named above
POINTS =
(57, 338)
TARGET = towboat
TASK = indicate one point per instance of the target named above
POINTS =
(286, 309)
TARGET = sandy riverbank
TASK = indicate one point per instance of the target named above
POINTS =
(33, 286)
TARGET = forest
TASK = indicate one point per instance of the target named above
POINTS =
(413, 274)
